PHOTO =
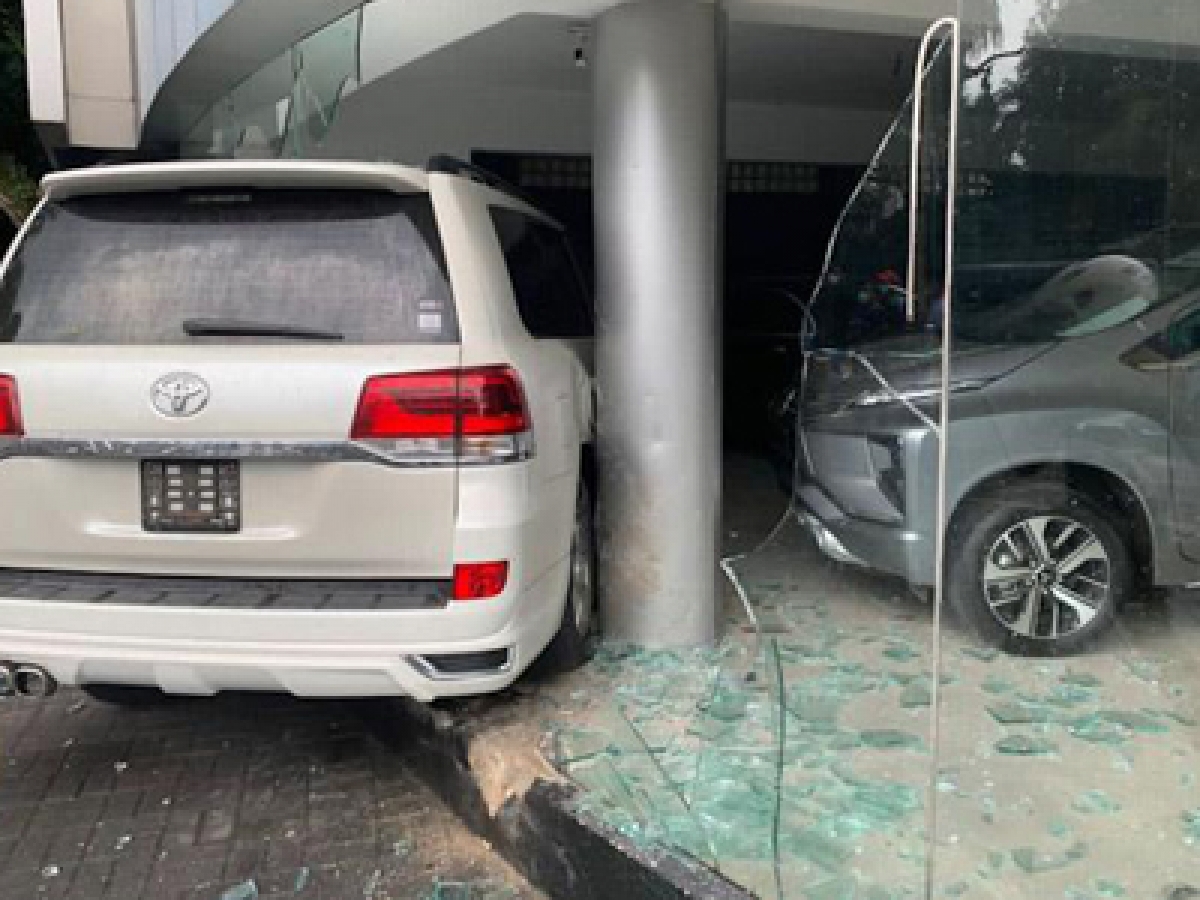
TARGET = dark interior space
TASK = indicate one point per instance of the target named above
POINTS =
(8, 230)
(778, 218)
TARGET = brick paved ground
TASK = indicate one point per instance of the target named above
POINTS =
(193, 799)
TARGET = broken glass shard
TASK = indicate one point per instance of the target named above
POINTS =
(983, 654)
(728, 702)
(577, 745)
(1095, 802)
(890, 739)
(1175, 716)
(1096, 730)
(1143, 669)
(1070, 695)
(1023, 745)
(1018, 714)
(1035, 861)
(916, 696)
(247, 890)
(1081, 679)
(1134, 721)
(994, 684)
(900, 652)
(1191, 826)
(1059, 829)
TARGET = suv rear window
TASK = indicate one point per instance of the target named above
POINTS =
(132, 268)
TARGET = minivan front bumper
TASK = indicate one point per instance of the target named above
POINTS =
(858, 542)
(866, 494)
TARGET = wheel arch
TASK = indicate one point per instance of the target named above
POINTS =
(1108, 489)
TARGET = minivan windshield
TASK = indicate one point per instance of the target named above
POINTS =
(1044, 250)
(361, 266)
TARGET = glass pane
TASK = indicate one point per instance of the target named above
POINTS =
(1068, 746)
(325, 68)
(796, 757)
(288, 106)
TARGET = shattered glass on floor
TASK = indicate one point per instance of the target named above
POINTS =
(1074, 777)
(788, 764)
(1056, 778)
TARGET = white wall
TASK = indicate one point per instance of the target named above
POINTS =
(98, 50)
(47, 81)
(406, 121)
(95, 65)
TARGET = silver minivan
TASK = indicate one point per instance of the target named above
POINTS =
(1074, 450)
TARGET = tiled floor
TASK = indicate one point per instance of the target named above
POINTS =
(242, 796)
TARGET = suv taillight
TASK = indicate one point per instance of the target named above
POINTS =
(476, 415)
(10, 408)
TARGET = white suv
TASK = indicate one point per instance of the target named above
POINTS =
(322, 428)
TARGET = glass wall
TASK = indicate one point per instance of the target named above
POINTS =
(1001, 703)
(286, 108)
(1068, 747)
(797, 757)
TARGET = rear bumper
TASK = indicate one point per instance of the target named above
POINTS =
(305, 652)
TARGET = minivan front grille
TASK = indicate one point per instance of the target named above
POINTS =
(224, 593)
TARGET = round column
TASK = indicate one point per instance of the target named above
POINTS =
(658, 176)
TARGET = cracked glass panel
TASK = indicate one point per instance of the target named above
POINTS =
(1069, 756)
(287, 106)
(796, 757)
(325, 67)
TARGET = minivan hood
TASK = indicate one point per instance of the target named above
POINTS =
(907, 363)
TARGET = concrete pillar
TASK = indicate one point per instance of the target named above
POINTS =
(659, 167)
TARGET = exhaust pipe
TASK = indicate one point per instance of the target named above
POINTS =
(34, 681)
(26, 680)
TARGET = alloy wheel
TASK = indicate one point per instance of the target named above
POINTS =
(1046, 577)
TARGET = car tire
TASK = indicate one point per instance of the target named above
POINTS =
(129, 696)
(1039, 570)
(575, 640)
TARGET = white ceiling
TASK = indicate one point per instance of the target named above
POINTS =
(766, 63)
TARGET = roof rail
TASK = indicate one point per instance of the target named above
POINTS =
(443, 164)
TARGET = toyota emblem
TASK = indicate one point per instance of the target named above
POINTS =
(179, 395)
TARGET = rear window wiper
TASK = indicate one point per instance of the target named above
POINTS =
(241, 328)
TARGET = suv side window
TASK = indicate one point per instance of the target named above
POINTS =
(550, 294)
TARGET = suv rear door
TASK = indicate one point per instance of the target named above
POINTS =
(113, 296)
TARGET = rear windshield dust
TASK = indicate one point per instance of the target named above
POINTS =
(133, 268)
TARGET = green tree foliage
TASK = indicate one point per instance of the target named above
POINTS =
(21, 156)
(1054, 100)
(1084, 120)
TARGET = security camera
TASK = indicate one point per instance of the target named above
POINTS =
(580, 35)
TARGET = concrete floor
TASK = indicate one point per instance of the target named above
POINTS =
(1071, 778)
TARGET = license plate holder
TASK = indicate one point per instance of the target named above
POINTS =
(189, 496)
